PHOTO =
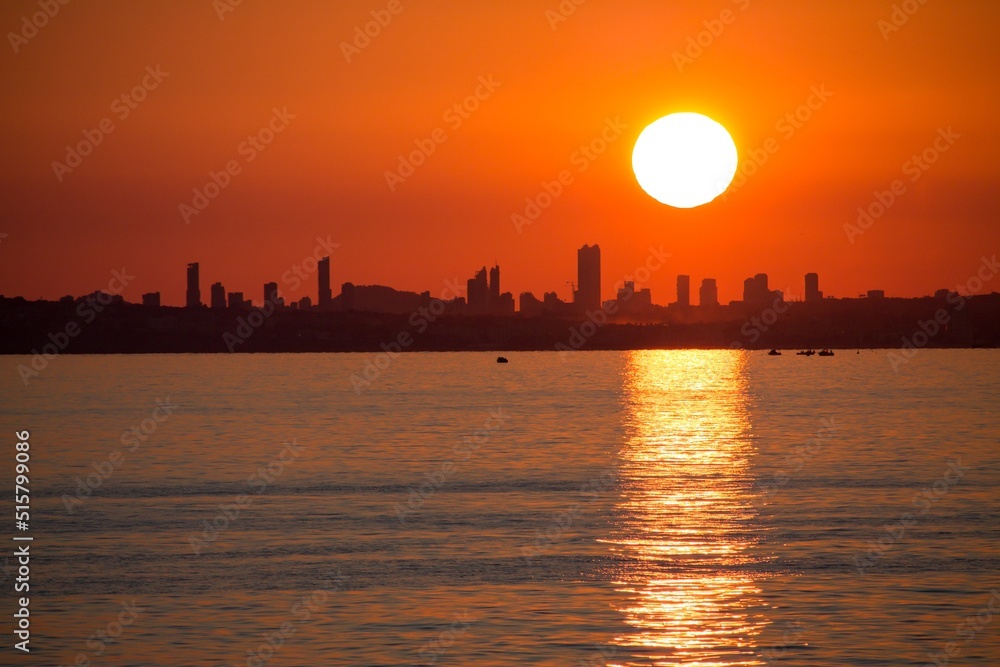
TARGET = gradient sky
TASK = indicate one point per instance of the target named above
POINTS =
(324, 175)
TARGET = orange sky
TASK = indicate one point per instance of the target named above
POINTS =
(324, 174)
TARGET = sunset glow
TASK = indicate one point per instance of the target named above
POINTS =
(808, 162)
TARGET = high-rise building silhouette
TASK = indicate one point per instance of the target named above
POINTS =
(236, 299)
(708, 295)
(684, 291)
(749, 291)
(755, 291)
(504, 305)
(495, 288)
(483, 293)
(478, 292)
(218, 296)
(271, 293)
(325, 297)
(588, 277)
(812, 287)
(193, 290)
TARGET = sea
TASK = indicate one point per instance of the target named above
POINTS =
(704, 508)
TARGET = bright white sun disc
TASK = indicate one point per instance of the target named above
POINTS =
(684, 160)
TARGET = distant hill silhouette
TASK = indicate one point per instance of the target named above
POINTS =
(378, 299)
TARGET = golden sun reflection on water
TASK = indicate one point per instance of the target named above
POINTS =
(685, 524)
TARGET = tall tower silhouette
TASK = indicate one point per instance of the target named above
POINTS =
(588, 277)
(494, 287)
(325, 295)
(709, 293)
(812, 287)
(193, 290)
(218, 296)
(684, 291)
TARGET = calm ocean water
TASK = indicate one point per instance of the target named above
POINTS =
(621, 508)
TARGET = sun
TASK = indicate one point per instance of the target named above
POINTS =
(684, 160)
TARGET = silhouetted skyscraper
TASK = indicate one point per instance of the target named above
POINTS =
(588, 277)
(708, 295)
(755, 290)
(504, 304)
(218, 296)
(271, 293)
(193, 290)
(325, 296)
(812, 287)
(495, 288)
(478, 292)
(684, 291)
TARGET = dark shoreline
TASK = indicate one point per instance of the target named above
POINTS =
(73, 327)
(787, 352)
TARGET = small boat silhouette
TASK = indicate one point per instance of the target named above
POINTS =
(502, 360)
(826, 353)
(774, 353)
(806, 353)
